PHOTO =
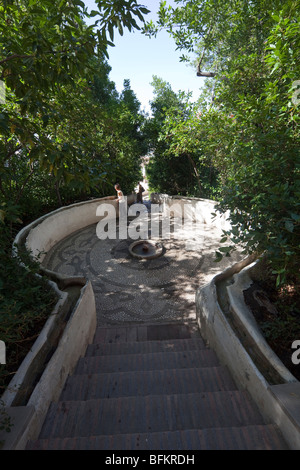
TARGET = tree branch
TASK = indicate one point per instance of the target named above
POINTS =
(199, 73)
(23, 185)
(196, 172)
(205, 74)
(16, 56)
(28, 56)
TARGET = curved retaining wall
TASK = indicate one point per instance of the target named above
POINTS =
(43, 234)
(195, 209)
(39, 237)
(46, 231)
(250, 366)
(79, 331)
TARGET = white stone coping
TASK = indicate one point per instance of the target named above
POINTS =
(197, 209)
(44, 233)
(242, 281)
(277, 403)
(39, 237)
(47, 231)
(33, 354)
(77, 335)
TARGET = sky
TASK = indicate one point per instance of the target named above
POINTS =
(138, 58)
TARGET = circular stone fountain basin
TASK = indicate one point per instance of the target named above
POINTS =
(145, 249)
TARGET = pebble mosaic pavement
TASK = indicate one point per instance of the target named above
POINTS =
(130, 290)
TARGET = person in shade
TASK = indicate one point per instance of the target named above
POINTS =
(139, 197)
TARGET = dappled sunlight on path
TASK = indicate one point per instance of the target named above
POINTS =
(131, 290)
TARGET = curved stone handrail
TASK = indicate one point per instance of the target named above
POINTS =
(241, 281)
(48, 230)
(240, 346)
(40, 236)
(197, 209)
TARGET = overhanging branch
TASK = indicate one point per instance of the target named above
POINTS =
(204, 74)
(199, 72)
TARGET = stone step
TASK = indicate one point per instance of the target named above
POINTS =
(138, 347)
(252, 437)
(151, 332)
(153, 413)
(142, 383)
(150, 361)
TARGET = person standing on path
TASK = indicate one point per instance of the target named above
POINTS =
(122, 203)
(139, 197)
(119, 193)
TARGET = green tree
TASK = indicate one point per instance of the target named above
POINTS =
(48, 59)
(178, 165)
(93, 138)
(60, 135)
(251, 51)
(45, 45)
(162, 173)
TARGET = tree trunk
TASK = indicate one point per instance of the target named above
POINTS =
(196, 173)
(58, 193)
(205, 74)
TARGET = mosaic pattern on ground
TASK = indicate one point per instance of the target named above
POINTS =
(132, 290)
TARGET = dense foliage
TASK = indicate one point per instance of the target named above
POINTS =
(179, 164)
(26, 301)
(66, 134)
(250, 130)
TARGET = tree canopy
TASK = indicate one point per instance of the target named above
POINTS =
(249, 125)
(66, 134)
(63, 125)
(65, 128)
(178, 164)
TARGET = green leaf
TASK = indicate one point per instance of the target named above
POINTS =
(275, 68)
(289, 225)
(79, 2)
(225, 249)
(145, 11)
(295, 217)
(111, 31)
(94, 13)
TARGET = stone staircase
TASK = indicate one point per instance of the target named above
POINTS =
(153, 387)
